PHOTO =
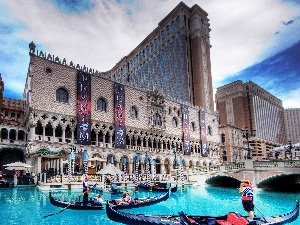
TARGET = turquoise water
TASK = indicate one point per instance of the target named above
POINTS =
(27, 206)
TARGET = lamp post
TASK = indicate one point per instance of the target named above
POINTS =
(288, 150)
(247, 135)
(175, 151)
(73, 152)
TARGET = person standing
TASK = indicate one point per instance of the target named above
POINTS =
(85, 190)
(247, 197)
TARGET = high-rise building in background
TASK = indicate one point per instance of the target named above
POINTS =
(292, 125)
(247, 106)
(173, 59)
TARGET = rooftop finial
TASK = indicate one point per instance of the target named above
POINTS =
(32, 47)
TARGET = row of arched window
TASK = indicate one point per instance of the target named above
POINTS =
(62, 96)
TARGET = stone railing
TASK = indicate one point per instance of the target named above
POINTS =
(234, 166)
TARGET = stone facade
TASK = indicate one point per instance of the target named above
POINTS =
(150, 89)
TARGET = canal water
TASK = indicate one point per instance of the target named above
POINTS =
(27, 206)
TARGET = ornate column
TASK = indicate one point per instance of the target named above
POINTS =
(63, 134)
(61, 166)
(39, 164)
(97, 135)
(130, 166)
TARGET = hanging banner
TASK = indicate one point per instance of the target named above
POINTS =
(119, 116)
(186, 130)
(203, 133)
(83, 108)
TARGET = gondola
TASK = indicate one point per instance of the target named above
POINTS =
(76, 204)
(162, 187)
(182, 218)
(4, 183)
(139, 202)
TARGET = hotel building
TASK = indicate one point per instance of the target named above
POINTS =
(247, 106)
(156, 102)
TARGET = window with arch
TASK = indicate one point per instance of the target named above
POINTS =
(156, 120)
(174, 122)
(101, 105)
(192, 126)
(222, 138)
(133, 112)
(209, 130)
(62, 95)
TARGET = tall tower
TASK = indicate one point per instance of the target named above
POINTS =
(174, 59)
(244, 105)
(1, 97)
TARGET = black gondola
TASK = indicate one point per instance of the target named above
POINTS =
(182, 218)
(4, 183)
(163, 187)
(75, 205)
(140, 202)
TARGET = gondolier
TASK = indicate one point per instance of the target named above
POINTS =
(85, 190)
(247, 197)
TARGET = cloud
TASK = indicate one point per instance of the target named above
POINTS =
(290, 99)
(99, 33)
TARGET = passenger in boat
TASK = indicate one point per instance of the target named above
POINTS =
(98, 200)
(247, 197)
(126, 199)
(85, 190)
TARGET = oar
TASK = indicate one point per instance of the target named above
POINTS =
(263, 216)
(52, 214)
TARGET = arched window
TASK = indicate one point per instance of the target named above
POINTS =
(222, 138)
(174, 122)
(192, 126)
(62, 95)
(133, 112)
(101, 105)
(209, 130)
(156, 120)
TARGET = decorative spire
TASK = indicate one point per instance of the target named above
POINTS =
(32, 47)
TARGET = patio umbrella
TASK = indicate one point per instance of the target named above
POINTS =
(97, 159)
(110, 169)
(17, 166)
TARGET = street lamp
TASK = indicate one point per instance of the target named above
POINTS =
(74, 151)
(247, 135)
(175, 151)
(288, 149)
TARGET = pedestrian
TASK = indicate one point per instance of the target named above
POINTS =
(247, 197)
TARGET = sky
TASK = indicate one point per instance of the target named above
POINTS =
(256, 40)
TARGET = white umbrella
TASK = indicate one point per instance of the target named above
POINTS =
(110, 169)
(285, 147)
(97, 159)
(17, 166)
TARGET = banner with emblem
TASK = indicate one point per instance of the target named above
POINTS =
(186, 130)
(203, 133)
(119, 116)
(83, 108)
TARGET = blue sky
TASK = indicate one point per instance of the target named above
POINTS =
(255, 40)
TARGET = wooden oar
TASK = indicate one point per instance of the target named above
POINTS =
(52, 214)
(263, 216)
